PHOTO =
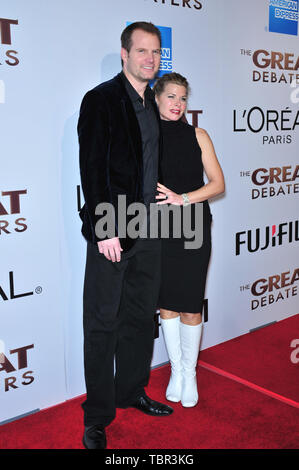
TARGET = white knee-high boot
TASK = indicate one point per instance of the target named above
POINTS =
(171, 333)
(190, 344)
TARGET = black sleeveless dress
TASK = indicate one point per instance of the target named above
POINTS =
(184, 271)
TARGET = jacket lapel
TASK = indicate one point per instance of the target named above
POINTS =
(131, 122)
(133, 128)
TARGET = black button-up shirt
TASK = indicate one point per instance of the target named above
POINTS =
(149, 128)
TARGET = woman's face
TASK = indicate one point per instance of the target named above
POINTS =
(172, 102)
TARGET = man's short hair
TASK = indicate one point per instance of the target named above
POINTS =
(126, 36)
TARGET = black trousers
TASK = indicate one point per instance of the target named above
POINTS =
(119, 304)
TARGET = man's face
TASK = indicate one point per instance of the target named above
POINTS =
(143, 60)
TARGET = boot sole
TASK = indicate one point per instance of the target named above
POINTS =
(189, 405)
(174, 400)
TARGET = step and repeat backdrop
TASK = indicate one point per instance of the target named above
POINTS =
(242, 61)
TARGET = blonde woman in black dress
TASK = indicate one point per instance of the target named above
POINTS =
(187, 153)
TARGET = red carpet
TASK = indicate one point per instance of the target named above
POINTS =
(262, 357)
(229, 415)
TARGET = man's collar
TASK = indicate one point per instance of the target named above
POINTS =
(134, 95)
(149, 93)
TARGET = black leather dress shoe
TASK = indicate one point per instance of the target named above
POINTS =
(152, 407)
(94, 437)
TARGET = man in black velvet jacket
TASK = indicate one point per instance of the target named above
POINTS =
(119, 140)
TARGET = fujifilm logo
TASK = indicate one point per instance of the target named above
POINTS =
(266, 237)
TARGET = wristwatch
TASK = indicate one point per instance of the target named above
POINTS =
(186, 200)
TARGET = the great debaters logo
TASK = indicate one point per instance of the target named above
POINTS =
(283, 16)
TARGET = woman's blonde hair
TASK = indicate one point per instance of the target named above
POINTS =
(173, 77)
